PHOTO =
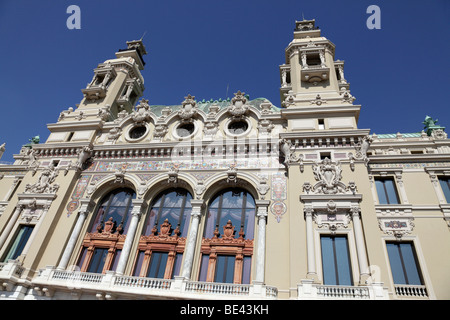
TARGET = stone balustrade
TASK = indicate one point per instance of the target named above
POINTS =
(110, 284)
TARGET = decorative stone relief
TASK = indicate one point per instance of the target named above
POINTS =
(210, 129)
(45, 182)
(438, 134)
(114, 134)
(173, 174)
(265, 127)
(142, 113)
(361, 148)
(332, 220)
(80, 115)
(238, 105)
(188, 109)
(83, 155)
(160, 131)
(395, 220)
(397, 228)
(328, 174)
(232, 174)
(347, 97)
(318, 101)
(199, 189)
(263, 187)
(104, 112)
(289, 100)
(119, 176)
(288, 154)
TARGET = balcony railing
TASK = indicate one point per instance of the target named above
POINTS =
(343, 292)
(52, 280)
(417, 291)
(217, 288)
(307, 289)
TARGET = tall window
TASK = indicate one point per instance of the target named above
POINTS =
(19, 242)
(387, 193)
(162, 244)
(227, 245)
(103, 244)
(404, 266)
(336, 261)
(445, 185)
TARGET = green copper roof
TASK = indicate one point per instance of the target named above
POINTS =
(394, 135)
(205, 104)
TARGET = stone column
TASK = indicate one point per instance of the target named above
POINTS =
(10, 225)
(360, 246)
(86, 206)
(191, 240)
(261, 215)
(311, 259)
(131, 232)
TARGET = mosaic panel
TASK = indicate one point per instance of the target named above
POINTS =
(211, 164)
(77, 194)
(279, 193)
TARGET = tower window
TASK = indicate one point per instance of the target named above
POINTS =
(324, 155)
(321, 124)
(313, 60)
(70, 136)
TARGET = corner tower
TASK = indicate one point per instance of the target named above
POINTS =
(116, 86)
(314, 90)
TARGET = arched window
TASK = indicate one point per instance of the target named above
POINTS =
(104, 241)
(227, 244)
(161, 245)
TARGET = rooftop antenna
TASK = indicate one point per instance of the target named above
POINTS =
(303, 17)
(143, 35)
(228, 85)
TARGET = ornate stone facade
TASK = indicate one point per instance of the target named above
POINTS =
(300, 174)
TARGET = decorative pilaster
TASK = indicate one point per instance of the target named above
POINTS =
(261, 215)
(86, 206)
(191, 240)
(360, 245)
(135, 216)
(311, 259)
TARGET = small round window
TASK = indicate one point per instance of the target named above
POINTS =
(138, 132)
(238, 127)
(185, 130)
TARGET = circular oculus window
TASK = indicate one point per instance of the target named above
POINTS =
(185, 130)
(238, 127)
(137, 132)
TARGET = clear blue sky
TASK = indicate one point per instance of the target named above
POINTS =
(399, 74)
